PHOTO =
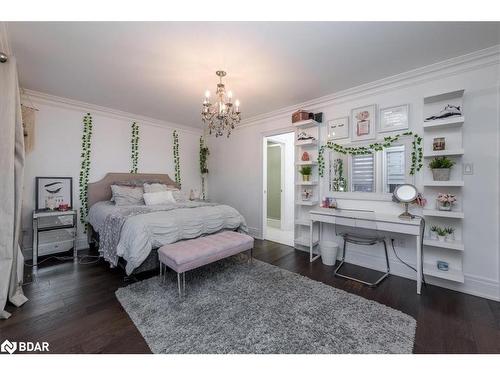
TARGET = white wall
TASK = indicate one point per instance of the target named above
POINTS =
(58, 132)
(288, 142)
(236, 174)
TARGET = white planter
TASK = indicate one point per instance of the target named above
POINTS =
(329, 251)
(441, 174)
(442, 238)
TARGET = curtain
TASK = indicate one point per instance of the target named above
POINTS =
(11, 187)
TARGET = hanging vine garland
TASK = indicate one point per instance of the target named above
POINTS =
(416, 154)
(85, 167)
(204, 152)
(177, 158)
(134, 145)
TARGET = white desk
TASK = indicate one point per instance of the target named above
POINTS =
(365, 219)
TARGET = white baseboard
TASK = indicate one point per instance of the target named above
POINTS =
(81, 244)
(255, 233)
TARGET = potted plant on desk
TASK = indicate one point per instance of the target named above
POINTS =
(306, 171)
(441, 167)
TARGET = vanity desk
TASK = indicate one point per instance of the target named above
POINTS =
(369, 220)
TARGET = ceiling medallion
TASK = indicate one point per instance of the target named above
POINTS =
(221, 116)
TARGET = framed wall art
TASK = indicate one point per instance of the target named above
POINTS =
(338, 128)
(363, 120)
(52, 192)
(394, 118)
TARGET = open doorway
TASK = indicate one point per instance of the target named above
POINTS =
(278, 220)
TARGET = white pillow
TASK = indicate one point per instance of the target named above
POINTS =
(159, 197)
(127, 195)
(154, 187)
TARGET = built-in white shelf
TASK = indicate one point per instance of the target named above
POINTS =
(450, 183)
(304, 222)
(304, 241)
(307, 203)
(306, 142)
(306, 183)
(456, 152)
(452, 245)
(450, 122)
(449, 214)
(444, 96)
(309, 162)
(452, 274)
(306, 124)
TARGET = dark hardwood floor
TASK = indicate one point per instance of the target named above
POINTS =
(74, 308)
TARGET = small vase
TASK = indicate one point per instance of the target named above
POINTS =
(433, 235)
(441, 238)
(450, 237)
(306, 177)
(443, 206)
(441, 174)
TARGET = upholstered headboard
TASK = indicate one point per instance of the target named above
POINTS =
(101, 190)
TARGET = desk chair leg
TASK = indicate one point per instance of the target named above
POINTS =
(342, 261)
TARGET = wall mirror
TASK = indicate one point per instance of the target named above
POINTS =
(379, 173)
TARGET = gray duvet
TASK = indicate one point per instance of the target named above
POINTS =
(131, 232)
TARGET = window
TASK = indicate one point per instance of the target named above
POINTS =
(363, 173)
(394, 168)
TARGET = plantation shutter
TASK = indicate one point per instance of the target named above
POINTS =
(363, 173)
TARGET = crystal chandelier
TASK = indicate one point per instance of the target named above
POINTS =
(222, 115)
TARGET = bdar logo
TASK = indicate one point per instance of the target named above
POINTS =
(8, 347)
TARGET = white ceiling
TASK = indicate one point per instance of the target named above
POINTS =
(161, 69)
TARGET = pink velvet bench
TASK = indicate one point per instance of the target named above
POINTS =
(187, 255)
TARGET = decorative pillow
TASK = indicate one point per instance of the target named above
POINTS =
(127, 195)
(154, 187)
(159, 197)
(179, 196)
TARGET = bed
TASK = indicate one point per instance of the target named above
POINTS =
(129, 236)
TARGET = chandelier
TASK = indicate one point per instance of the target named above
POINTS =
(222, 115)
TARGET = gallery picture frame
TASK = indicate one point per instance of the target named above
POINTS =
(61, 195)
(338, 128)
(364, 123)
(394, 118)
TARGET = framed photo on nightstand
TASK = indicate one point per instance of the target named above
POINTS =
(53, 193)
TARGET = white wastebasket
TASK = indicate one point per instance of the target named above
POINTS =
(329, 251)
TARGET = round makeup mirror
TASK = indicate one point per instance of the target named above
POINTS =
(406, 194)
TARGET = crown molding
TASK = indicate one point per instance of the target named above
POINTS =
(37, 96)
(453, 66)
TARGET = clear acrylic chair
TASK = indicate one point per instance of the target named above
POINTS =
(365, 232)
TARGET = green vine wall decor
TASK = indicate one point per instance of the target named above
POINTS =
(177, 158)
(204, 152)
(134, 146)
(416, 154)
(85, 167)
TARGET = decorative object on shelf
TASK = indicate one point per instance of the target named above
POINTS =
(329, 202)
(420, 200)
(204, 152)
(85, 168)
(448, 111)
(338, 128)
(306, 171)
(450, 233)
(338, 183)
(405, 193)
(444, 202)
(363, 120)
(416, 155)
(305, 156)
(52, 192)
(134, 146)
(441, 234)
(442, 265)
(394, 118)
(303, 136)
(306, 194)
(177, 160)
(302, 115)
(222, 115)
(433, 232)
(441, 167)
(439, 144)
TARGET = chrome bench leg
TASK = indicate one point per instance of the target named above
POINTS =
(161, 273)
(179, 283)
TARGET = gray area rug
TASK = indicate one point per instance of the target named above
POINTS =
(236, 307)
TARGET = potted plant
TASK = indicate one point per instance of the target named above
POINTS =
(450, 233)
(445, 201)
(441, 233)
(441, 167)
(434, 230)
(305, 171)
